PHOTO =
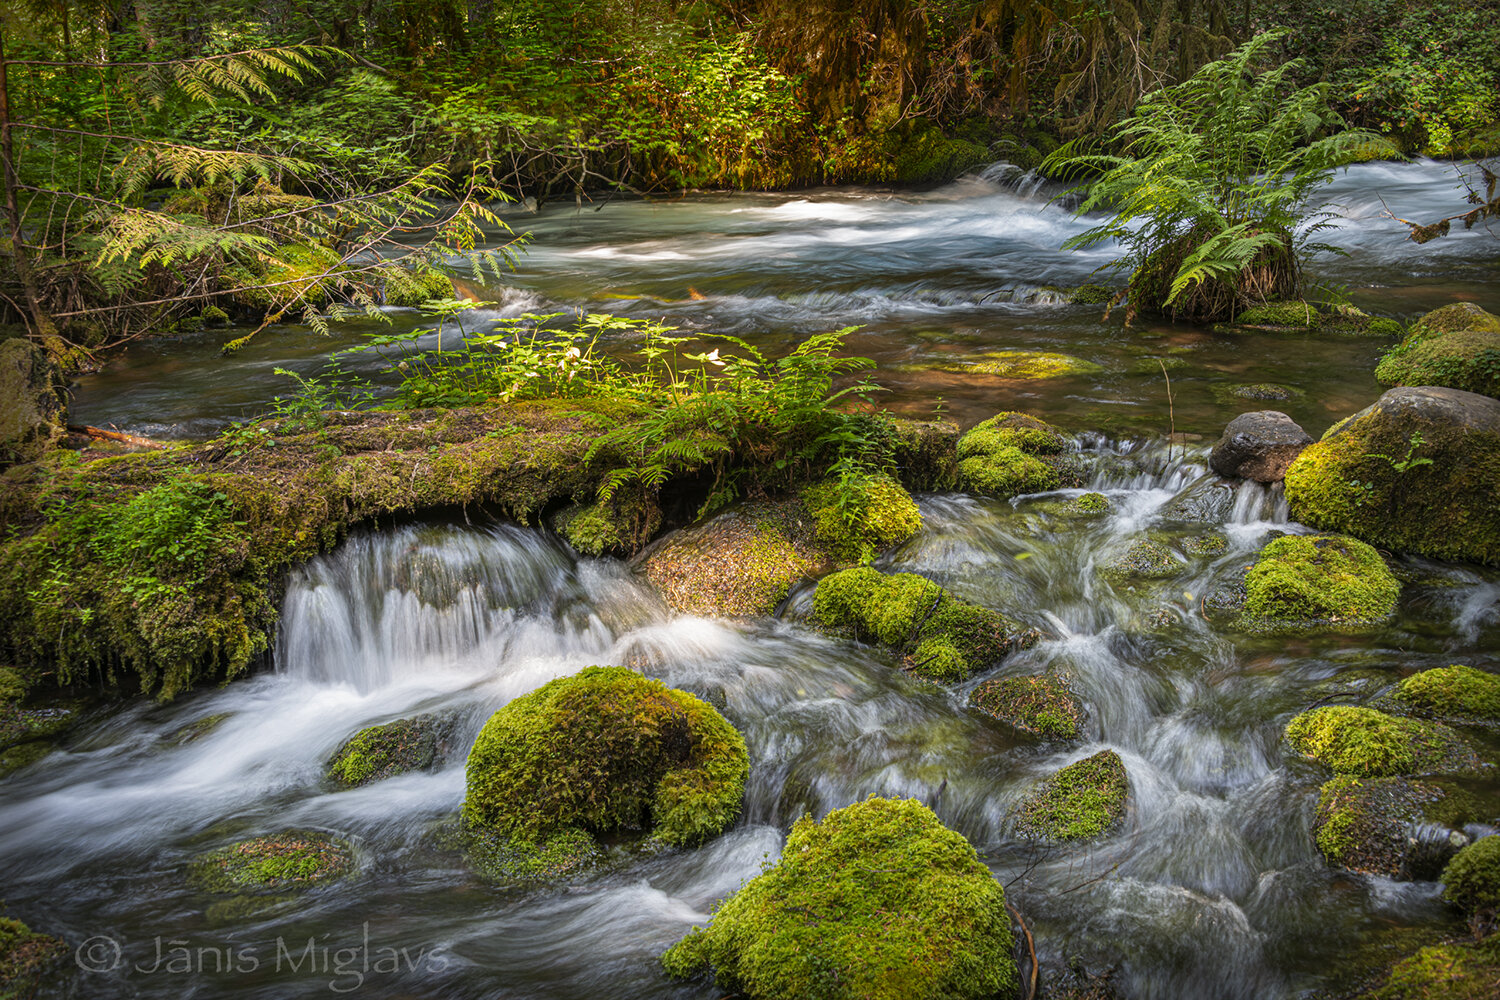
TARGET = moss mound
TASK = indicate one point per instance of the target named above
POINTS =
(1445, 972)
(1079, 802)
(1041, 707)
(1090, 503)
(1456, 692)
(1366, 743)
(1256, 391)
(378, 752)
(1362, 823)
(858, 519)
(1011, 454)
(1319, 581)
(1282, 315)
(605, 750)
(1415, 472)
(25, 957)
(942, 637)
(296, 859)
(1471, 881)
(1292, 316)
(1460, 317)
(1212, 544)
(879, 901)
(1144, 560)
(1468, 360)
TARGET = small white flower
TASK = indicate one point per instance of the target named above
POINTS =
(713, 358)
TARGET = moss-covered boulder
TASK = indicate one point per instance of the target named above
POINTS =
(1367, 743)
(1039, 707)
(1471, 881)
(941, 637)
(295, 859)
(1145, 559)
(1258, 391)
(1415, 472)
(879, 901)
(378, 752)
(1010, 454)
(1309, 582)
(1078, 802)
(859, 517)
(1460, 317)
(740, 563)
(1459, 971)
(1467, 359)
(606, 750)
(25, 958)
(1362, 824)
(1456, 692)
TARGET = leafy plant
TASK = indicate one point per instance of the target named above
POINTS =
(1210, 191)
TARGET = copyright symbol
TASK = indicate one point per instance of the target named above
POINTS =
(99, 953)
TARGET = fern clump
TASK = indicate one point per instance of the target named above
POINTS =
(1212, 185)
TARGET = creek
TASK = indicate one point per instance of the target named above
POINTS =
(1211, 887)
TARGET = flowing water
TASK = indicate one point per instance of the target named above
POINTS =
(1211, 887)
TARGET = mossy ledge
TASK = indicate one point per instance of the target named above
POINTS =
(1078, 802)
(941, 637)
(295, 859)
(602, 751)
(1367, 743)
(879, 901)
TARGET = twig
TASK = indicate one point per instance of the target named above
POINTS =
(1030, 947)
(1171, 409)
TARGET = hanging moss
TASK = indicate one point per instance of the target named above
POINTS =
(1366, 743)
(945, 639)
(1456, 692)
(25, 958)
(1040, 707)
(879, 901)
(862, 517)
(379, 752)
(1319, 581)
(606, 750)
(296, 859)
(1079, 802)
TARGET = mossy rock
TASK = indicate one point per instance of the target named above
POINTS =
(25, 959)
(1039, 707)
(1303, 317)
(1465, 359)
(606, 750)
(1415, 472)
(1285, 315)
(378, 752)
(500, 857)
(1256, 391)
(21, 755)
(1146, 559)
(23, 725)
(1461, 971)
(1460, 317)
(196, 730)
(618, 526)
(941, 637)
(1362, 823)
(879, 901)
(1471, 881)
(1010, 454)
(740, 563)
(861, 517)
(1088, 505)
(1456, 692)
(925, 453)
(1367, 743)
(1091, 294)
(1312, 582)
(1212, 544)
(1079, 802)
(295, 859)
(1018, 365)
(406, 287)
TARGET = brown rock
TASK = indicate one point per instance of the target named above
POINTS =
(1259, 446)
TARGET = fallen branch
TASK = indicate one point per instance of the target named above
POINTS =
(134, 440)
(1030, 948)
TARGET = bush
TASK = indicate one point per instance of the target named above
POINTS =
(879, 901)
(606, 750)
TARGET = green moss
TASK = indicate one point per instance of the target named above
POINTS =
(1445, 972)
(1079, 802)
(1030, 365)
(1456, 692)
(25, 959)
(946, 639)
(501, 857)
(1458, 318)
(1466, 359)
(999, 457)
(1471, 881)
(1007, 473)
(1091, 503)
(1362, 823)
(879, 901)
(196, 730)
(605, 750)
(1366, 743)
(1289, 315)
(1144, 560)
(1012, 430)
(1256, 391)
(297, 859)
(405, 287)
(13, 684)
(1305, 581)
(23, 725)
(1205, 545)
(22, 755)
(1091, 294)
(861, 516)
(379, 752)
(214, 315)
(1041, 707)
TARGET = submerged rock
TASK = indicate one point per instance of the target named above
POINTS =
(295, 859)
(1304, 317)
(942, 637)
(1318, 582)
(605, 750)
(1146, 559)
(1206, 500)
(879, 901)
(378, 752)
(1259, 446)
(1014, 453)
(1415, 472)
(1257, 390)
(25, 958)
(1370, 824)
(1456, 692)
(1011, 365)
(1079, 802)
(1039, 707)
(1366, 743)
